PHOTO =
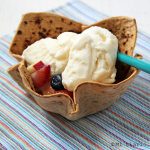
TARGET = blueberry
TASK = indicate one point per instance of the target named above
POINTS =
(56, 82)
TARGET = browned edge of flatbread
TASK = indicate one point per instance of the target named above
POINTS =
(125, 29)
(35, 26)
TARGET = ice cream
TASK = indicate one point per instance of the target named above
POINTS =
(51, 51)
(90, 55)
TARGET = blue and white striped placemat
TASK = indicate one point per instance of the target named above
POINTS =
(123, 126)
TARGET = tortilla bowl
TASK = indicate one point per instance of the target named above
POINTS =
(88, 97)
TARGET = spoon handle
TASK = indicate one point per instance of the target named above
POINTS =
(137, 63)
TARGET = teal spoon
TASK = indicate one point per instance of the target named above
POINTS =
(137, 63)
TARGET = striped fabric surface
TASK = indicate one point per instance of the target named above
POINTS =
(123, 126)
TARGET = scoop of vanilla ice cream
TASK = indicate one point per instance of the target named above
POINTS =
(66, 39)
(50, 51)
(92, 57)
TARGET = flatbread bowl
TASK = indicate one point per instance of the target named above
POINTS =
(88, 97)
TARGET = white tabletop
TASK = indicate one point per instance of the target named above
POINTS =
(12, 10)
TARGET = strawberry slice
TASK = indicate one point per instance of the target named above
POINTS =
(47, 89)
(39, 65)
(41, 80)
(41, 76)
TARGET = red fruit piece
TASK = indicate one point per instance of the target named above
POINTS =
(41, 76)
(47, 89)
(39, 65)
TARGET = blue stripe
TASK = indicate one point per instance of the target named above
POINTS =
(89, 11)
(7, 143)
(17, 129)
(76, 9)
(17, 111)
(33, 119)
(25, 112)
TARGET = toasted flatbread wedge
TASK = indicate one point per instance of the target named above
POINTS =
(88, 97)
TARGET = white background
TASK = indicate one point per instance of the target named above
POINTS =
(11, 10)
